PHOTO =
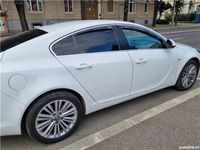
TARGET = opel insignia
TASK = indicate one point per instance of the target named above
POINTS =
(54, 75)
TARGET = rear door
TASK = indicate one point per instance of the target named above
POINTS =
(95, 60)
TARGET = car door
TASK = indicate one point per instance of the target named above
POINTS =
(95, 60)
(154, 67)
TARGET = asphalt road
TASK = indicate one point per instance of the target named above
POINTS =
(171, 129)
(186, 35)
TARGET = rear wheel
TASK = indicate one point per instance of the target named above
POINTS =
(54, 117)
(187, 76)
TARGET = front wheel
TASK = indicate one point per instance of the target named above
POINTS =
(187, 76)
(53, 117)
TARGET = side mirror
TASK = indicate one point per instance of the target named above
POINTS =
(170, 43)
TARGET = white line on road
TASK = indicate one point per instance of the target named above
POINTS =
(177, 38)
(185, 31)
(198, 78)
(117, 128)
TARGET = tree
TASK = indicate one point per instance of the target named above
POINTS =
(21, 12)
(156, 8)
(173, 12)
(191, 5)
(178, 8)
(163, 7)
(126, 10)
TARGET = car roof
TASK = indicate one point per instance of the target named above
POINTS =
(76, 25)
(62, 29)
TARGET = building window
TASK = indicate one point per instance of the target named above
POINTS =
(35, 5)
(68, 6)
(110, 6)
(132, 6)
(146, 6)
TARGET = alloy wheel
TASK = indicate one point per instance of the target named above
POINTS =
(189, 75)
(56, 119)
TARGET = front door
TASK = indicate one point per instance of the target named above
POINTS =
(89, 9)
(154, 67)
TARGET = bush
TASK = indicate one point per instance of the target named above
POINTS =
(168, 17)
(186, 17)
(181, 17)
(162, 22)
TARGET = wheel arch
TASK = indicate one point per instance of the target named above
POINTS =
(196, 59)
(184, 63)
(23, 127)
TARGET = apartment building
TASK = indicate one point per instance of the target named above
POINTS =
(44, 12)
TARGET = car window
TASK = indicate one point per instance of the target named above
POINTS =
(65, 46)
(20, 38)
(97, 41)
(140, 40)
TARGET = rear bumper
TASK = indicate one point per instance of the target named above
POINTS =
(11, 114)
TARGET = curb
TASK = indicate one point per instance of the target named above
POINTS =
(174, 27)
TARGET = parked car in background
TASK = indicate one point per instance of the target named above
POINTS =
(54, 75)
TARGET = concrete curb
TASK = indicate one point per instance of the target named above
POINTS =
(175, 27)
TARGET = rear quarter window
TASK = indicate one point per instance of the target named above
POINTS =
(65, 46)
(20, 38)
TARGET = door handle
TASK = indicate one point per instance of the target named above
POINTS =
(83, 66)
(141, 61)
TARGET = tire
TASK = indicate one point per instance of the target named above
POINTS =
(44, 111)
(180, 82)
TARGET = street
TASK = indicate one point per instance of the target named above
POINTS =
(173, 120)
(187, 35)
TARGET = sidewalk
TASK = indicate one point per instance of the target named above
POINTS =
(182, 25)
(170, 130)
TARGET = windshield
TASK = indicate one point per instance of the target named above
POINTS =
(20, 38)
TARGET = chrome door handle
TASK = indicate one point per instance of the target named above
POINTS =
(141, 61)
(83, 66)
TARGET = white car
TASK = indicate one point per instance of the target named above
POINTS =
(54, 75)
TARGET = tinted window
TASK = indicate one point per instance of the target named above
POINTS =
(140, 40)
(65, 46)
(20, 38)
(97, 41)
